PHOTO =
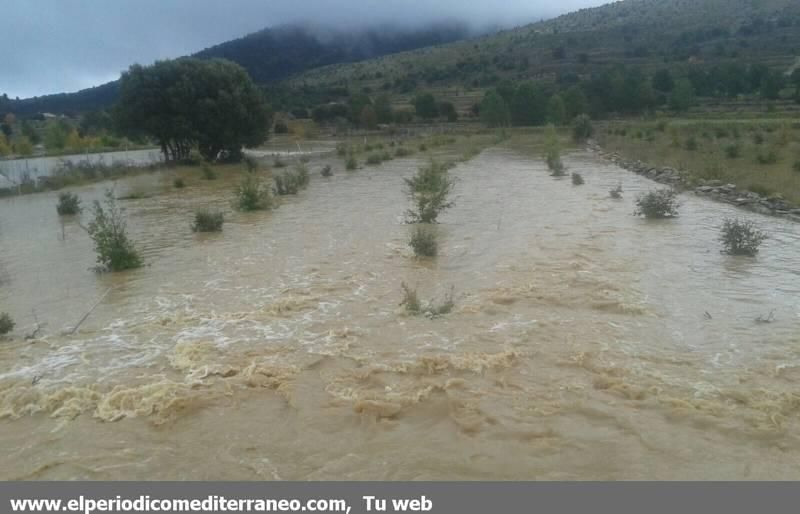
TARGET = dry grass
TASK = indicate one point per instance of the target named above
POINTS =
(748, 169)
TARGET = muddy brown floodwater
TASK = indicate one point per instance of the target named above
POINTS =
(585, 343)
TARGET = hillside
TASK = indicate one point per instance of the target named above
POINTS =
(647, 34)
(270, 55)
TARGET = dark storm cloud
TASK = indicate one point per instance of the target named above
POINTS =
(64, 45)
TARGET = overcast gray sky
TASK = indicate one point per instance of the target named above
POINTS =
(52, 46)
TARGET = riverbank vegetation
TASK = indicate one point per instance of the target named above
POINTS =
(252, 195)
(423, 241)
(759, 155)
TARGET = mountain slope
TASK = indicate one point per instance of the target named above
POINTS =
(646, 33)
(271, 55)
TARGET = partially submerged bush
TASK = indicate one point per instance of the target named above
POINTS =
(741, 237)
(291, 182)
(374, 159)
(251, 195)
(768, 157)
(423, 241)
(582, 128)
(430, 309)
(429, 190)
(207, 221)
(616, 192)
(403, 152)
(796, 166)
(108, 230)
(577, 179)
(68, 204)
(251, 163)
(278, 162)
(351, 163)
(179, 183)
(342, 149)
(691, 144)
(6, 323)
(208, 172)
(659, 203)
(327, 171)
(553, 153)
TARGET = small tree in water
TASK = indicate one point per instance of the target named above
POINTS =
(429, 190)
(553, 153)
(659, 203)
(6, 323)
(108, 230)
(741, 237)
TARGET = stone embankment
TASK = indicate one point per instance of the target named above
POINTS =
(774, 205)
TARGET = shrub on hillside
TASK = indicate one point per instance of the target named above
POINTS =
(741, 237)
(68, 204)
(108, 230)
(660, 203)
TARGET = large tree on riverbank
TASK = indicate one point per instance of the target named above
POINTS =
(213, 105)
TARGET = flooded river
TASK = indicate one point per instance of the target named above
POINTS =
(585, 343)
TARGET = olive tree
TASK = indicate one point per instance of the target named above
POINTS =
(210, 104)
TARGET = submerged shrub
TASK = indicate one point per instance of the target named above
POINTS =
(741, 237)
(327, 171)
(291, 182)
(68, 204)
(403, 152)
(582, 128)
(108, 230)
(251, 195)
(374, 159)
(6, 323)
(179, 183)
(342, 149)
(659, 203)
(278, 162)
(423, 241)
(251, 163)
(691, 144)
(796, 166)
(431, 309)
(207, 221)
(429, 190)
(208, 172)
(351, 163)
(553, 153)
(577, 179)
(410, 300)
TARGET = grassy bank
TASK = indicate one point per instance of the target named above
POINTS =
(760, 155)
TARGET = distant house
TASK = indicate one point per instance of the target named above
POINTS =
(48, 115)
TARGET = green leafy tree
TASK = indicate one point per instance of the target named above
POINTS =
(663, 81)
(448, 110)
(575, 102)
(494, 111)
(425, 105)
(383, 109)
(682, 97)
(556, 110)
(212, 104)
(56, 135)
(529, 106)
